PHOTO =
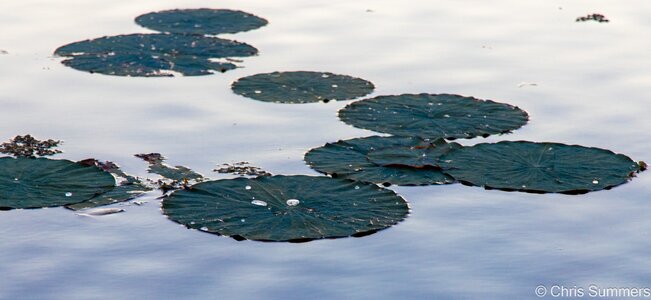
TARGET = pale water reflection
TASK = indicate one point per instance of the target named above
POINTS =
(591, 88)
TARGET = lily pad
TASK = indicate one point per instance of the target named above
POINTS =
(286, 208)
(40, 182)
(539, 167)
(354, 159)
(200, 21)
(301, 87)
(434, 116)
(153, 54)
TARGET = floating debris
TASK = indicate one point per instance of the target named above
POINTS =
(241, 169)
(28, 146)
(177, 177)
(593, 17)
(523, 84)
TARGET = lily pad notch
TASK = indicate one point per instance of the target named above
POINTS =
(301, 87)
(286, 208)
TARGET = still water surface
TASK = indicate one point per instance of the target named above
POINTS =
(592, 88)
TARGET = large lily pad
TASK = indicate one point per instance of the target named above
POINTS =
(40, 182)
(301, 87)
(153, 54)
(286, 208)
(433, 116)
(354, 159)
(200, 21)
(539, 167)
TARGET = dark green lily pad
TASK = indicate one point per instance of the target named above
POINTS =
(200, 21)
(434, 116)
(40, 182)
(301, 87)
(353, 159)
(153, 54)
(286, 208)
(539, 167)
(128, 188)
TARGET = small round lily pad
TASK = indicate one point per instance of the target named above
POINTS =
(153, 55)
(286, 208)
(301, 87)
(41, 182)
(538, 167)
(434, 116)
(355, 159)
(200, 21)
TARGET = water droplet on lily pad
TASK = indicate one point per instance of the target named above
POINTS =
(293, 202)
(259, 203)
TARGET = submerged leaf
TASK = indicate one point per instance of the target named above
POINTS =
(153, 54)
(286, 208)
(200, 21)
(353, 159)
(433, 116)
(40, 182)
(301, 87)
(539, 167)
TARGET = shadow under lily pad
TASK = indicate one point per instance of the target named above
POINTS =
(200, 21)
(433, 116)
(354, 159)
(539, 167)
(301, 87)
(153, 55)
(286, 208)
(41, 182)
